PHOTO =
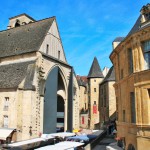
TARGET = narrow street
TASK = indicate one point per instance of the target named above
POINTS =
(104, 142)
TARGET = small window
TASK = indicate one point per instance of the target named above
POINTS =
(94, 80)
(132, 107)
(85, 105)
(17, 24)
(121, 75)
(47, 49)
(5, 121)
(94, 89)
(130, 61)
(94, 102)
(58, 54)
(6, 103)
(124, 115)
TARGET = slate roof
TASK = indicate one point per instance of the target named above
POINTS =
(24, 39)
(138, 26)
(11, 75)
(110, 75)
(118, 39)
(95, 70)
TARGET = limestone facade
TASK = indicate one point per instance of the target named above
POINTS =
(107, 103)
(131, 60)
(89, 96)
(94, 101)
(38, 88)
(83, 101)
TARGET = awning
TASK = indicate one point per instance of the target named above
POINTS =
(5, 132)
(66, 145)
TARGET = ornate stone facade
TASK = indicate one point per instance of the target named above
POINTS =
(131, 60)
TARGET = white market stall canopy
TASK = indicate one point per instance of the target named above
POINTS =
(60, 134)
(66, 145)
(5, 132)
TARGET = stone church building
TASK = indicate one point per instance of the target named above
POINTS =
(38, 88)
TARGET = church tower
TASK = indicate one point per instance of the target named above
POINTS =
(95, 77)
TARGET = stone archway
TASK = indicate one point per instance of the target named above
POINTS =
(54, 101)
(131, 147)
(60, 113)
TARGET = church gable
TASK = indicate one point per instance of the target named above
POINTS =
(23, 39)
(52, 44)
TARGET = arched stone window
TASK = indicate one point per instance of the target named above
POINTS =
(17, 24)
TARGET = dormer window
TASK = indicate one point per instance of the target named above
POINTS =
(145, 12)
(147, 16)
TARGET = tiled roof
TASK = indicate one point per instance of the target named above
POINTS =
(82, 80)
(110, 76)
(95, 70)
(24, 39)
(11, 75)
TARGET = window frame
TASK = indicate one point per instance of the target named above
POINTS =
(145, 51)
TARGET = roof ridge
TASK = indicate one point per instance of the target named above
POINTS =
(22, 15)
(53, 17)
(110, 75)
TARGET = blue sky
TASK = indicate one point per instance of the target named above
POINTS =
(87, 27)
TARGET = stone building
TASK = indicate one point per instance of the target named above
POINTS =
(107, 103)
(95, 77)
(38, 88)
(131, 60)
(83, 104)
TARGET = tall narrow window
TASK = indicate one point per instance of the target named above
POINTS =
(94, 89)
(85, 105)
(6, 103)
(130, 61)
(146, 50)
(47, 49)
(124, 115)
(5, 121)
(121, 74)
(132, 104)
(58, 54)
